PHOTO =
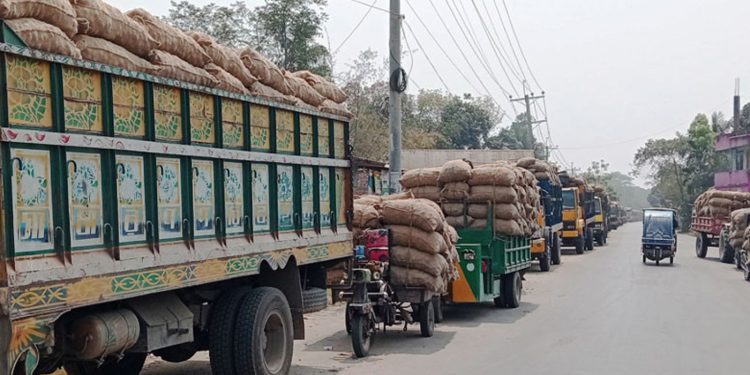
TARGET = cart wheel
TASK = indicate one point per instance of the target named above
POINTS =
(701, 245)
(511, 286)
(657, 261)
(437, 304)
(427, 319)
(361, 335)
(671, 260)
(644, 259)
(556, 250)
(348, 319)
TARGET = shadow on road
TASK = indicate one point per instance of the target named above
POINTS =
(392, 341)
(197, 367)
(474, 315)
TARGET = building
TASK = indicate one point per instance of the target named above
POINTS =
(370, 177)
(737, 149)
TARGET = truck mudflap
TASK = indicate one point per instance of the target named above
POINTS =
(468, 287)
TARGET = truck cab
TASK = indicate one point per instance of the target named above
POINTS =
(576, 216)
(600, 225)
(546, 248)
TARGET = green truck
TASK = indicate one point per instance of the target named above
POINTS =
(147, 215)
(491, 266)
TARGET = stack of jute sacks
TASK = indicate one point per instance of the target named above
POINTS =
(541, 169)
(720, 204)
(422, 248)
(465, 194)
(738, 227)
(136, 40)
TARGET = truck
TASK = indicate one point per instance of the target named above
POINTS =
(148, 215)
(614, 216)
(547, 247)
(491, 266)
(600, 225)
(578, 214)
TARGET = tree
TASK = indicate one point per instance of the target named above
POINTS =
(284, 30)
(465, 124)
(518, 136)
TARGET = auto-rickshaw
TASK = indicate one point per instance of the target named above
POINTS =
(659, 240)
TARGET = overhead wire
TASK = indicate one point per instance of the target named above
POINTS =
(507, 36)
(437, 73)
(496, 46)
(372, 6)
(356, 27)
(520, 48)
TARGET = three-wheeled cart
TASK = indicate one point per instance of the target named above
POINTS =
(659, 239)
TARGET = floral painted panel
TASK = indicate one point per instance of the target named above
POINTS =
(340, 198)
(306, 135)
(131, 199)
(82, 98)
(234, 202)
(233, 135)
(202, 118)
(260, 128)
(339, 143)
(203, 198)
(261, 199)
(285, 132)
(29, 92)
(128, 100)
(85, 199)
(324, 177)
(308, 198)
(168, 113)
(324, 143)
(169, 198)
(285, 189)
(32, 205)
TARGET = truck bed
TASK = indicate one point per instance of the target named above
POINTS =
(708, 224)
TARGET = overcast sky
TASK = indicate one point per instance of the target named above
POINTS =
(615, 72)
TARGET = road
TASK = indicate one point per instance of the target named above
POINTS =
(603, 312)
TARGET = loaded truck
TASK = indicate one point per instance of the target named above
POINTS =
(614, 215)
(147, 215)
(578, 214)
(547, 248)
(600, 225)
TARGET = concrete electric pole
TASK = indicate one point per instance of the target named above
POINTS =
(394, 100)
(527, 99)
(737, 104)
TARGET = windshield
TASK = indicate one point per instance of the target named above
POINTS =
(661, 225)
(598, 206)
(569, 199)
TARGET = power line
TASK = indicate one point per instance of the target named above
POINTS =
(361, 20)
(507, 36)
(515, 35)
(460, 71)
(426, 56)
(497, 47)
(375, 7)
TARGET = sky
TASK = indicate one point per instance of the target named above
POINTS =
(615, 72)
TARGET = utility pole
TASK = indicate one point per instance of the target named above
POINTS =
(527, 99)
(737, 104)
(394, 99)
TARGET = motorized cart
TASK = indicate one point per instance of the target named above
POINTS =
(659, 240)
(373, 300)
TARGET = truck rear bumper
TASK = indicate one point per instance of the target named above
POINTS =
(569, 234)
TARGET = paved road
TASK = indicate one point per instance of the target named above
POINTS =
(603, 312)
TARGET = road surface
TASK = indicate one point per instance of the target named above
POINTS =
(603, 312)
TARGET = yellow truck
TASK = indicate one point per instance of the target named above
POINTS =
(578, 215)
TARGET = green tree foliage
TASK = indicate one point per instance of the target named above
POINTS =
(287, 31)
(518, 136)
(680, 168)
(465, 124)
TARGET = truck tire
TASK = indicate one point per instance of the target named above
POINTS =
(177, 354)
(544, 262)
(221, 329)
(738, 259)
(437, 304)
(511, 288)
(131, 364)
(427, 319)
(579, 245)
(263, 337)
(589, 239)
(314, 299)
(701, 245)
(556, 250)
(361, 336)
(600, 239)
(726, 253)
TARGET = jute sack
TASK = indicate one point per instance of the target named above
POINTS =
(268, 93)
(369, 200)
(430, 242)
(507, 211)
(478, 211)
(497, 176)
(455, 171)
(99, 19)
(720, 202)
(365, 217)
(334, 108)
(43, 36)
(459, 221)
(453, 209)
(420, 177)
(497, 194)
(174, 67)
(715, 211)
(509, 227)
(413, 277)
(58, 13)
(526, 162)
(106, 52)
(413, 212)
(736, 243)
(224, 57)
(449, 234)
(303, 91)
(322, 86)
(455, 191)
(397, 196)
(226, 81)
(433, 264)
(171, 39)
(427, 192)
(478, 224)
(265, 70)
